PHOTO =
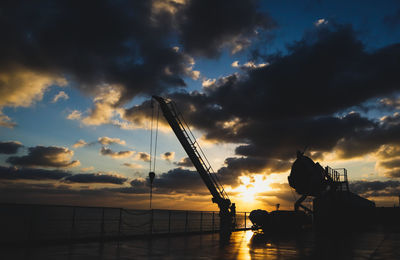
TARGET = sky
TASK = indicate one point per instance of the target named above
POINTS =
(255, 80)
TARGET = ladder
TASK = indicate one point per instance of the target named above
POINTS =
(196, 148)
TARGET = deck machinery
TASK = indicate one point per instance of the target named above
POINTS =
(334, 205)
(178, 125)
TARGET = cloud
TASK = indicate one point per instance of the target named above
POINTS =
(184, 162)
(392, 20)
(249, 65)
(14, 173)
(168, 156)
(108, 140)
(208, 82)
(60, 95)
(288, 110)
(142, 156)
(117, 155)
(79, 143)
(21, 87)
(236, 167)
(45, 156)
(232, 27)
(74, 115)
(104, 140)
(393, 163)
(376, 188)
(391, 103)
(388, 151)
(393, 173)
(96, 178)
(6, 121)
(125, 43)
(87, 169)
(176, 180)
(104, 106)
(320, 22)
(10, 147)
(133, 165)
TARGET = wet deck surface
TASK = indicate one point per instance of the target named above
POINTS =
(376, 244)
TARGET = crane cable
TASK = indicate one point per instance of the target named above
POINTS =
(152, 164)
(156, 140)
(151, 131)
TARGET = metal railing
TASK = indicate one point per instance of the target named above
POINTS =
(339, 177)
(22, 223)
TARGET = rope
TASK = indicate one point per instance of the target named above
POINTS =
(151, 131)
(156, 140)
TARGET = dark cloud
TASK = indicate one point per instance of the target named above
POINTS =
(184, 162)
(13, 173)
(388, 151)
(369, 139)
(174, 181)
(394, 173)
(249, 165)
(294, 101)
(206, 26)
(168, 156)
(121, 154)
(392, 20)
(390, 103)
(376, 188)
(10, 147)
(143, 156)
(394, 163)
(125, 43)
(45, 156)
(96, 178)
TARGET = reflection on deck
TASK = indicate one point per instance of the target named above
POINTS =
(374, 244)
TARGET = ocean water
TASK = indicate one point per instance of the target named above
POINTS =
(42, 222)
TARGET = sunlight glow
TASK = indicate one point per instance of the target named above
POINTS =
(251, 186)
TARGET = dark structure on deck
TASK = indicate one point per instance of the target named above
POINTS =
(334, 205)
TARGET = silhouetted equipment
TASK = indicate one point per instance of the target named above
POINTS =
(333, 203)
(280, 220)
(333, 200)
(151, 178)
(200, 162)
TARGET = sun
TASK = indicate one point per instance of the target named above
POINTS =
(251, 186)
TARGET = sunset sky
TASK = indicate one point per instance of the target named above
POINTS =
(255, 80)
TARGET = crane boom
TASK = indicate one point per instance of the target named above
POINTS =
(199, 161)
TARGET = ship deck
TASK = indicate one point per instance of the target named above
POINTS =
(379, 243)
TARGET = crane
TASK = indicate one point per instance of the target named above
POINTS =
(227, 210)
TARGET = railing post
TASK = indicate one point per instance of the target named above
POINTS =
(120, 222)
(201, 221)
(151, 221)
(73, 223)
(186, 221)
(102, 223)
(245, 226)
(213, 222)
(169, 221)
